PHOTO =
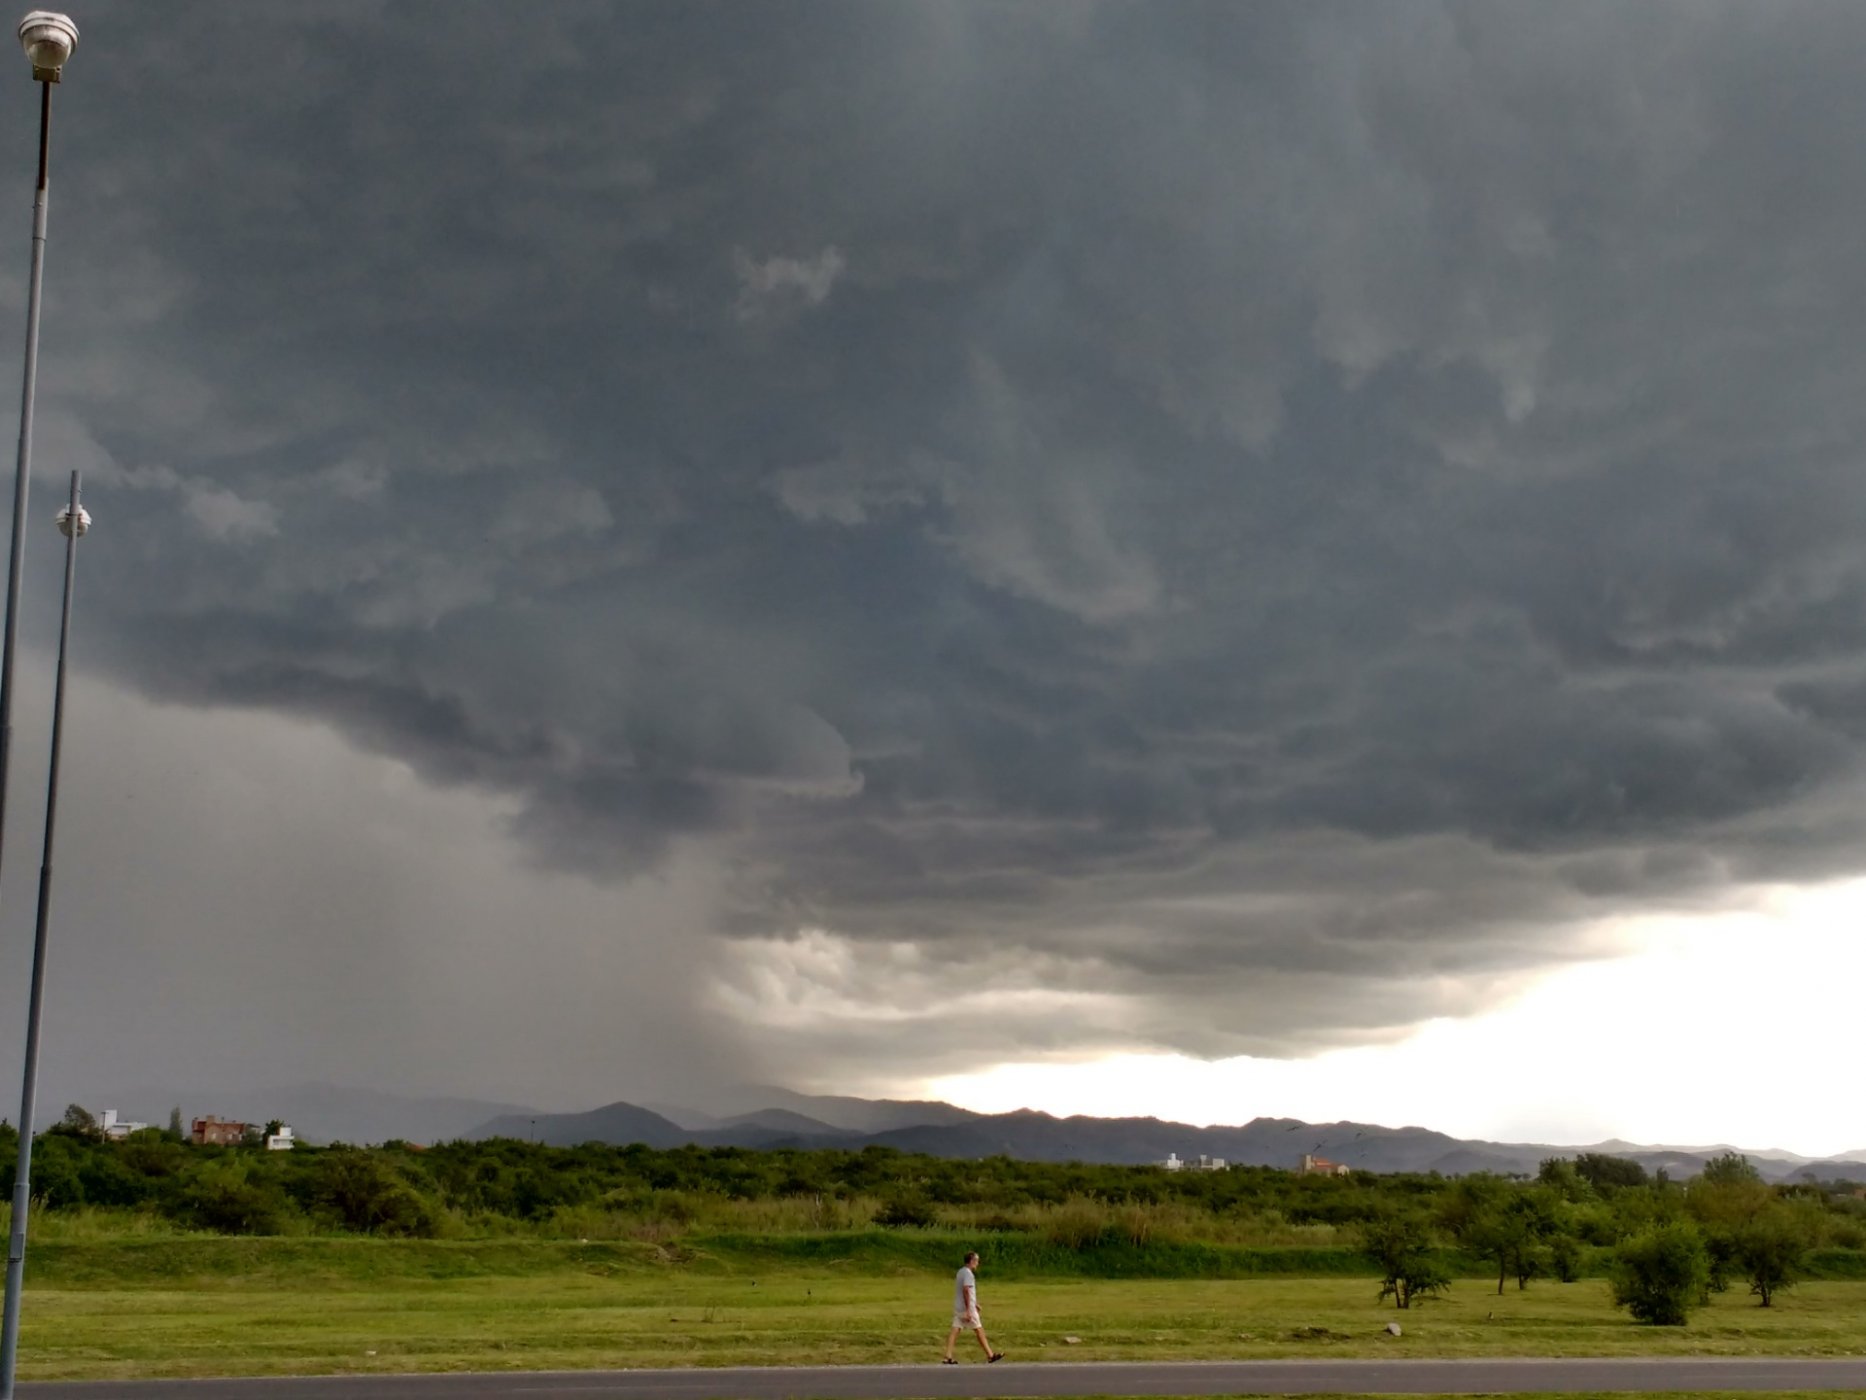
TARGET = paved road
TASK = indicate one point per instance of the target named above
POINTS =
(1648, 1376)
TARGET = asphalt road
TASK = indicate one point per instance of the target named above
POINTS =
(1647, 1376)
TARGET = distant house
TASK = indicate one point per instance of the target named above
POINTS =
(1208, 1164)
(1172, 1163)
(282, 1140)
(1321, 1166)
(116, 1128)
(217, 1132)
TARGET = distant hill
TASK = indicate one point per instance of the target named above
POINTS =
(620, 1123)
(1034, 1136)
(781, 1120)
(848, 1114)
(691, 1118)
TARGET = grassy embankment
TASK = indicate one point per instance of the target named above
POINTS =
(179, 1305)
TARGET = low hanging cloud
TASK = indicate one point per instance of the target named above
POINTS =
(1237, 529)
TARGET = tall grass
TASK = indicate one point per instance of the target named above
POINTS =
(93, 1223)
(1082, 1219)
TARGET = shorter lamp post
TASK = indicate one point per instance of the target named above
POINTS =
(73, 521)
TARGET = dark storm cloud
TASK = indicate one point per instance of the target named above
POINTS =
(1263, 520)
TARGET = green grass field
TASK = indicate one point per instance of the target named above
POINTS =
(198, 1306)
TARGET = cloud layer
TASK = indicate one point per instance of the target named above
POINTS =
(1213, 528)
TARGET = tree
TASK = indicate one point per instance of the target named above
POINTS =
(1607, 1173)
(78, 1122)
(1659, 1275)
(1771, 1249)
(1730, 1168)
(1724, 1198)
(1503, 1224)
(1402, 1246)
(174, 1123)
(1565, 1257)
(1560, 1176)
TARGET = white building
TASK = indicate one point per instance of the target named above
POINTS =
(114, 1127)
(282, 1140)
(1175, 1163)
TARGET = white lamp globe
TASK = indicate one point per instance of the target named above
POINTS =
(64, 522)
(48, 39)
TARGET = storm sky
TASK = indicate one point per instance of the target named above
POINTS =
(842, 544)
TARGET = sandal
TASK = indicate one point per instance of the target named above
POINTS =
(997, 1356)
(949, 1361)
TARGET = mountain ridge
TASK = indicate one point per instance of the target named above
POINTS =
(735, 1118)
(1038, 1136)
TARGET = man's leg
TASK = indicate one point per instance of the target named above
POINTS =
(983, 1345)
(951, 1337)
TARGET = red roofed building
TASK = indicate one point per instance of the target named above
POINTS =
(217, 1132)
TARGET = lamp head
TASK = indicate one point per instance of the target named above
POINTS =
(64, 522)
(48, 39)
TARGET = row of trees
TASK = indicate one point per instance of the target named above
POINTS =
(1586, 1213)
(1672, 1246)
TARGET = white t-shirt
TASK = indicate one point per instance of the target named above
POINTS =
(962, 1282)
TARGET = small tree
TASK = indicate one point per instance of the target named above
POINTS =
(1771, 1250)
(1565, 1257)
(1503, 1224)
(1659, 1275)
(79, 1122)
(174, 1124)
(1724, 1198)
(1402, 1246)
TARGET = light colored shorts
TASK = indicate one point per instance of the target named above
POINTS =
(966, 1320)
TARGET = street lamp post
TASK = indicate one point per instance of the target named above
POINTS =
(48, 39)
(73, 521)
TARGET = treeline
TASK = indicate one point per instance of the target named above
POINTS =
(1579, 1215)
(1665, 1246)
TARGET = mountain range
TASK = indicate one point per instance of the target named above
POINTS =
(762, 1116)
(939, 1129)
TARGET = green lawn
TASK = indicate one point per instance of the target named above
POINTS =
(224, 1307)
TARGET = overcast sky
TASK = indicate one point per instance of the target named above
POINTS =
(644, 545)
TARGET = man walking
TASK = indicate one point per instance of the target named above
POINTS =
(965, 1311)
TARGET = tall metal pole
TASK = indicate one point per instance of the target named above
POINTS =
(48, 40)
(22, 475)
(73, 522)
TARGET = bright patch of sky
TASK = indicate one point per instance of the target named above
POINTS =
(1723, 1029)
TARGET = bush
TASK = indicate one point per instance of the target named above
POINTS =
(1658, 1276)
(908, 1210)
(365, 1192)
(1402, 1246)
(223, 1197)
